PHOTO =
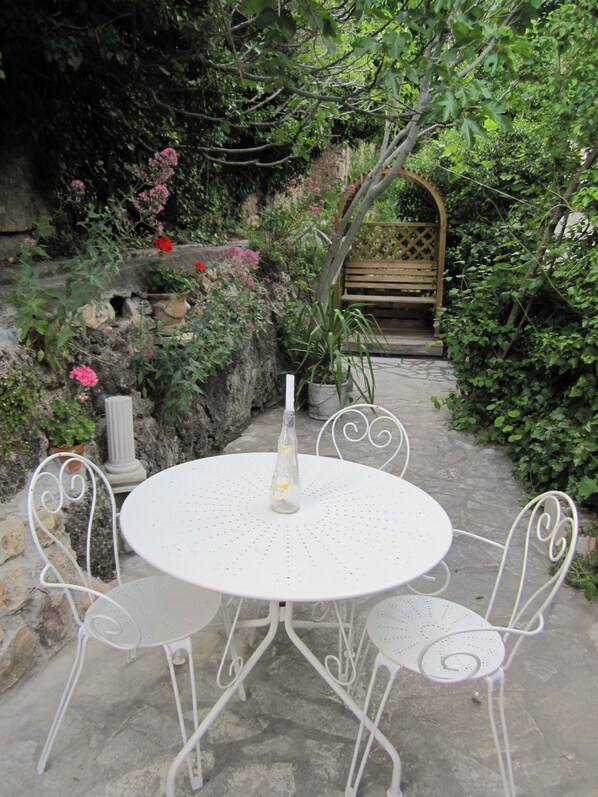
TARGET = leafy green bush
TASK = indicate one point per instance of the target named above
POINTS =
(533, 388)
(292, 232)
(172, 369)
(583, 574)
(20, 392)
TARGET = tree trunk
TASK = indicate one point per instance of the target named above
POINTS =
(392, 158)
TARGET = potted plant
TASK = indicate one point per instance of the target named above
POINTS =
(169, 287)
(329, 346)
(69, 428)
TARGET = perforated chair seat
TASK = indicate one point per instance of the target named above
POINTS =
(164, 609)
(402, 627)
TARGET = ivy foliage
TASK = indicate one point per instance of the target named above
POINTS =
(20, 395)
(534, 387)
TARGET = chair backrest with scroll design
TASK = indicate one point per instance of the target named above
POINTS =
(521, 596)
(74, 492)
(366, 432)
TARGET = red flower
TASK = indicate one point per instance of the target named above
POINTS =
(200, 266)
(163, 243)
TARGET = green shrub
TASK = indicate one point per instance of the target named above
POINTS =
(20, 392)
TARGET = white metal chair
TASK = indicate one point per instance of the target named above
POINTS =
(142, 613)
(386, 442)
(448, 643)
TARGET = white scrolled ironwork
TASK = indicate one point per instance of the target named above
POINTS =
(237, 662)
(439, 583)
(449, 643)
(366, 423)
(344, 660)
(320, 611)
(146, 612)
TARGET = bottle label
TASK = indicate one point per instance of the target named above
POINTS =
(279, 490)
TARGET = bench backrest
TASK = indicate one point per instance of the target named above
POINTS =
(399, 258)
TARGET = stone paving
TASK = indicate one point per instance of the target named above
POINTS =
(293, 737)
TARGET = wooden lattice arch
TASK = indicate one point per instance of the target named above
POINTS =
(396, 262)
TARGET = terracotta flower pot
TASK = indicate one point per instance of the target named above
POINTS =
(73, 466)
(169, 308)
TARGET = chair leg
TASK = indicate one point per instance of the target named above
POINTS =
(195, 774)
(344, 662)
(237, 662)
(82, 640)
(354, 778)
(363, 649)
(346, 641)
(503, 749)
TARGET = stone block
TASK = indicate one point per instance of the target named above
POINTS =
(15, 587)
(131, 312)
(98, 314)
(54, 524)
(54, 620)
(16, 657)
(12, 537)
(19, 203)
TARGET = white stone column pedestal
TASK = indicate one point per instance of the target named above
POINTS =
(123, 470)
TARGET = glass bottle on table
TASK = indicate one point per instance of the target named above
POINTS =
(285, 490)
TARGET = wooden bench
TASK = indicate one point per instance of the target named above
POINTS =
(395, 263)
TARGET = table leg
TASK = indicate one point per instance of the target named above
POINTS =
(274, 617)
(395, 784)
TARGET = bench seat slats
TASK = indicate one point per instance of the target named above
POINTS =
(392, 298)
(397, 283)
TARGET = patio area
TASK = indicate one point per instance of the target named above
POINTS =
(292, 736)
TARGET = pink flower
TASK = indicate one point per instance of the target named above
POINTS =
(150, 203)
(233, 253)
(316, 189)
(160, 168)
(250, 259)
(77, 187)
(250, 282)
(84, 375)
(249, 325)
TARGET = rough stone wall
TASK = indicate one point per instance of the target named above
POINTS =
(333, 166)
(330, 169)
(21, 205)
(33, 623)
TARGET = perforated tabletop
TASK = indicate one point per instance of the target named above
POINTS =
(359, 530)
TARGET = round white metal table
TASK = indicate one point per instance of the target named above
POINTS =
(359, 531)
